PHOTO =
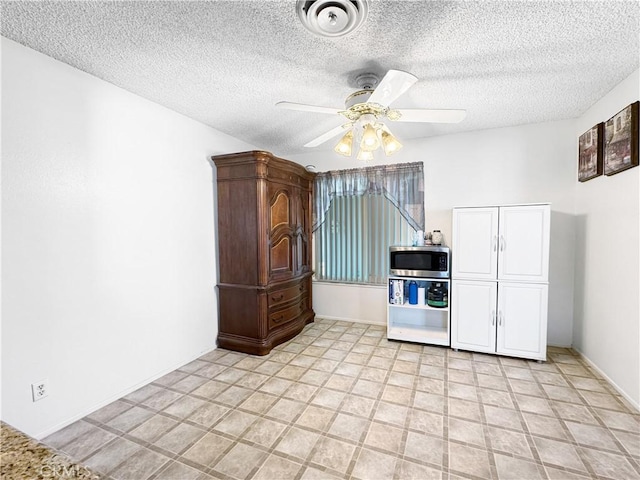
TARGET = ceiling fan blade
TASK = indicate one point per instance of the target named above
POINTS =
(307, 108)
(431, 116)
(328, 136)
(394, 84)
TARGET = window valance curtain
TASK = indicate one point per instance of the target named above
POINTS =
(402, 184)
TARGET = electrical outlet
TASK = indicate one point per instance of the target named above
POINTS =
(40, 389)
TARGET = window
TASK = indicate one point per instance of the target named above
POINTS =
(358, 214)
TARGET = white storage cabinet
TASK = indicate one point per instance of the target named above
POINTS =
(499, 280)
(419, 323)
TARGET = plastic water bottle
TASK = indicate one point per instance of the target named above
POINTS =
(413, 292)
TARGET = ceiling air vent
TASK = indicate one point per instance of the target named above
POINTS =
(332, 18)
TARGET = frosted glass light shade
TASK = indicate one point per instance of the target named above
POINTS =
(365, 155)
(345, 144)
(369, 138)
(390, 144)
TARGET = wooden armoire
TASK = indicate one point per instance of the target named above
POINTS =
(264, 241)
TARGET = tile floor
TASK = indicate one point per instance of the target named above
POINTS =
(341, 401)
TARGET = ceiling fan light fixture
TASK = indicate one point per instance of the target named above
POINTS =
(390, 144)
(345, 145)
(365, 155)
(370, 139)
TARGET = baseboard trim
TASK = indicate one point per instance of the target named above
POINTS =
(127, 391)
(624, 394)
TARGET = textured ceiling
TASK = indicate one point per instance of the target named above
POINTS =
(226, 63)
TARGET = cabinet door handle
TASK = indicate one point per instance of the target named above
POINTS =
(495, 243)
(493, 317)
(503, 244)
(500, 318)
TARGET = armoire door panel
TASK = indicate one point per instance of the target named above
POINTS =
(280, 210)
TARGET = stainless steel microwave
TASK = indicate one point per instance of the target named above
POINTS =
(421, 261)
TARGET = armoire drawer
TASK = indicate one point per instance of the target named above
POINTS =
(280, 317)
(285, 295)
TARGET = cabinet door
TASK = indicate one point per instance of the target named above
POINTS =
(473, 315)
(524, 243)
(281, 236)
(475, 243)
(522, 320)
(303, 231)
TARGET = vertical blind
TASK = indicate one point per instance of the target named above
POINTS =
(352, 244)
(359, 213)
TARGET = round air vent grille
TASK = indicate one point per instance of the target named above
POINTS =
(332, 18)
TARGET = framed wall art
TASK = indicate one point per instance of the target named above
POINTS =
(621, 140)
(590, 149)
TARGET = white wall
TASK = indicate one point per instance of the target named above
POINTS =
(607, 287)
(108, 240)
(529, 163)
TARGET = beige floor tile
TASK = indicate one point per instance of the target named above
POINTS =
(358, 405)
(153, 428)
(300, 391)
(396, 394)
(139, 466)
(407, 470)
(208, 449)
(178, 439)
(184, 406)
(429, 402)
(465, 409)
(130, 419)
(342, 401)
(619, 420)
(558, 453)
(240, 461)
(259, 402)
(265, 432)
(349, 427)
(333, 454)
(278, 468)
(509, 442)
(534, 405)
(502, 417)
(469, 461)
(510, 468)
(68, 433)
(391, 413)
(545, 426)
(526, 388)
(178, 471)
(297, 442)
(372, 465)
(610, 465)
(384, 437)
(87, 443)
(235, 423)
(315, 418)
(426, 422)
(592, 436)
(111, 455)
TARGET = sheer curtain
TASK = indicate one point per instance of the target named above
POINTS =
(358, 214)
(402, 184)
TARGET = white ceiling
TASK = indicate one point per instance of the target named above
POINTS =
(226, 63)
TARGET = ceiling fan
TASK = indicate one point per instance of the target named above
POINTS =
(364, 110)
